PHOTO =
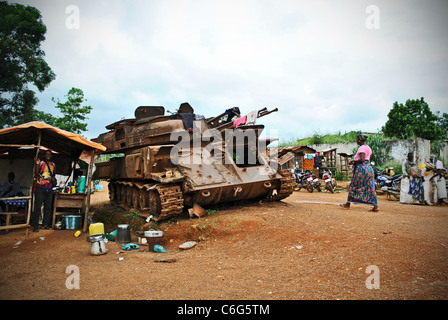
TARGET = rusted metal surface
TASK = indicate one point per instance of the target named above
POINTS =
(161, 177)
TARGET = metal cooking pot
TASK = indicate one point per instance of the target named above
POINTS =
(123, 234)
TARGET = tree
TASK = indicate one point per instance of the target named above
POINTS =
(21, 62)
(380, 149)
(73, 114)
(414, 119)
(443, 123)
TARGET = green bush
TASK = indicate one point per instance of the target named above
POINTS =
(397, 166)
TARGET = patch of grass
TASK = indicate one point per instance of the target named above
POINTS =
(319, 138)
(211, 211)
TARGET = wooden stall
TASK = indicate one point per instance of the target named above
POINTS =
(28, 139)
(346, 168)
(328, 159)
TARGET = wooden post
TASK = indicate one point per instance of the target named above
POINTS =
(88, 182)
(31, 204)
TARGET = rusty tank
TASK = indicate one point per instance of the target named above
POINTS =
(164, 164)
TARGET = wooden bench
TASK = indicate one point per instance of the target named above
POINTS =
(8, 213)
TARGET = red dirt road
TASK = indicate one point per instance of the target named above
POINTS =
(305, 247)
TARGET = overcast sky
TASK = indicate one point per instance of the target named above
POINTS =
(327, 65)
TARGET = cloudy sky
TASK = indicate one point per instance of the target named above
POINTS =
(327, 65)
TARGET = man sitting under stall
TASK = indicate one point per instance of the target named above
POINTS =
(10, 188)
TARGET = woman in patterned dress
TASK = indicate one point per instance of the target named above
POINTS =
(362, 186)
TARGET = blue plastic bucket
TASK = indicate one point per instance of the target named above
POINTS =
(72, 222)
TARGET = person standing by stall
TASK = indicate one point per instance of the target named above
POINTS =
(45, 181)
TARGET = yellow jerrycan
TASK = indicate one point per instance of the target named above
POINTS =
(96, 228)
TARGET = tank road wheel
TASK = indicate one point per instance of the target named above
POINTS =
(143, 199)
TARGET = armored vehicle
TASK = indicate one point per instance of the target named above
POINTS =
(164, 164)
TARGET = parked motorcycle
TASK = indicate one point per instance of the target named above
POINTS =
(316, 183)
(299, 179)
(330, 182)
(308, 176)
(387, 183)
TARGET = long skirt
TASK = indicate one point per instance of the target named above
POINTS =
(362, 187)
(416, 188)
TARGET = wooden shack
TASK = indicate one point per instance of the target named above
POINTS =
(19, 151)
(290, 157)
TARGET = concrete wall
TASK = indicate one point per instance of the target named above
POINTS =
(419, 147)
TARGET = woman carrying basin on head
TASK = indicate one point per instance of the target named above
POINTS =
(362, 186)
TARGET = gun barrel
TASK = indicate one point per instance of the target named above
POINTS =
(264, 112)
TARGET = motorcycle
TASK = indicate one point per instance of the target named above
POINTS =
(387, 183)
(315, 182)
(299, 179)
(309, 180)
(330, 182)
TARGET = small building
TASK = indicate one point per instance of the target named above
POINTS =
(296, 156)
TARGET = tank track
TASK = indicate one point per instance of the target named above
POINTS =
(160, 201)
(163, 201)
(287, 186)
(171, 200)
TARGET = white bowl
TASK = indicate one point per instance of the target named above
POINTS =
(153, 233)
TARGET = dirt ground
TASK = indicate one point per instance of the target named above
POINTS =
(304, 247)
